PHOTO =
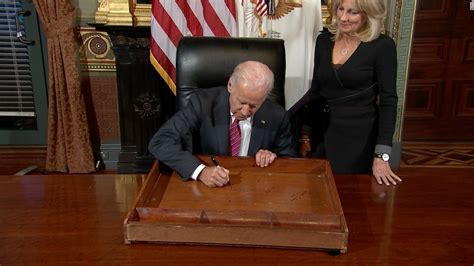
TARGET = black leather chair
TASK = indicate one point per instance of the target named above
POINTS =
(206, 62)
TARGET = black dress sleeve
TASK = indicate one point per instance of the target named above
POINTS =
(386, 72)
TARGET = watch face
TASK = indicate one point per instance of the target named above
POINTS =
(385, 157)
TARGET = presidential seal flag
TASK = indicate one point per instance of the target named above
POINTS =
(173, 19)
(298, 22)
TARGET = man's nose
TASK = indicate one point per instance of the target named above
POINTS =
(246, 111)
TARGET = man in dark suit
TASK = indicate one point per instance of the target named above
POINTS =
(203, 126)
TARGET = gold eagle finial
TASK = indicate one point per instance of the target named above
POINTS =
(254, 21)
(284, 7)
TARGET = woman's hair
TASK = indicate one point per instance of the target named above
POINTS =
(373, 16)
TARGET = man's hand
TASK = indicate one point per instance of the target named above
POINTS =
(383, 173)
(214, 176)
(264, 158)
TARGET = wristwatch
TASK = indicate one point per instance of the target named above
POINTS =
(384, 156)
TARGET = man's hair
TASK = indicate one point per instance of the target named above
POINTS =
(253, 74)
(372, 11)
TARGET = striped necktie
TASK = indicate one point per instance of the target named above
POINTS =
(234, 138)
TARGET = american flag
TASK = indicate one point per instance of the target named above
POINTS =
(262, 7)
(173, 19)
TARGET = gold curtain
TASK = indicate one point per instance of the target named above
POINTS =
(69, 143)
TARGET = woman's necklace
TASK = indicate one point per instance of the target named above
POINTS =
(344, 51)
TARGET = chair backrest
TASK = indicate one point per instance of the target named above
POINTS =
(206, 62)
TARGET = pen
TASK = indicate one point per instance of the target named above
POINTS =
(216, 163)
(214, 160)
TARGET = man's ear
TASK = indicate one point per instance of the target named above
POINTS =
(229, 86)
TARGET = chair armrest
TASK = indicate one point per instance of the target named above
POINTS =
(305, 146)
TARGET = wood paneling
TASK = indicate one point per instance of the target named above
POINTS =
(422, 99)
(144, 100)
(14, 159)
(468, 51)
(439, 92)
(430, 9)
(464, 99)
(430, 51)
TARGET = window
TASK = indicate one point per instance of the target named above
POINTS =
(22, 85)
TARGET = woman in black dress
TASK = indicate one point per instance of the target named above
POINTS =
(355, 73)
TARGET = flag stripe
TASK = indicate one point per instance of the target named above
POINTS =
(231, 7)
(162, 73)
(212, 19)
(161, 39)
(173, 19)
(164, 60)
(225, 15)
(193, 23)
(166, 23)
(261, 7)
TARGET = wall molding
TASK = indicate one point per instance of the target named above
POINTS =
(110, 155)
(14, 158)
(95, 51)
(404, 43)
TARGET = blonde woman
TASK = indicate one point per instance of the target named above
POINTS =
(355, 73)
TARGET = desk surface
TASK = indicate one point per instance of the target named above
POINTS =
(428, 219)
(291, 204)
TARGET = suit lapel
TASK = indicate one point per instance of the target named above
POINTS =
(259, 126)
(221, 122)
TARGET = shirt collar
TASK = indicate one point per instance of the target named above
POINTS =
(249, 119)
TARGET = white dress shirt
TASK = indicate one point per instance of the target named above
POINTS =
(245, 133)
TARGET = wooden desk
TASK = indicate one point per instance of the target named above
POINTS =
(66, 219)
(293, 203)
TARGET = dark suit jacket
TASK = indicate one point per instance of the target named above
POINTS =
(202, 127)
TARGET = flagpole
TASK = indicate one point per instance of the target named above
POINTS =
(270, 12)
